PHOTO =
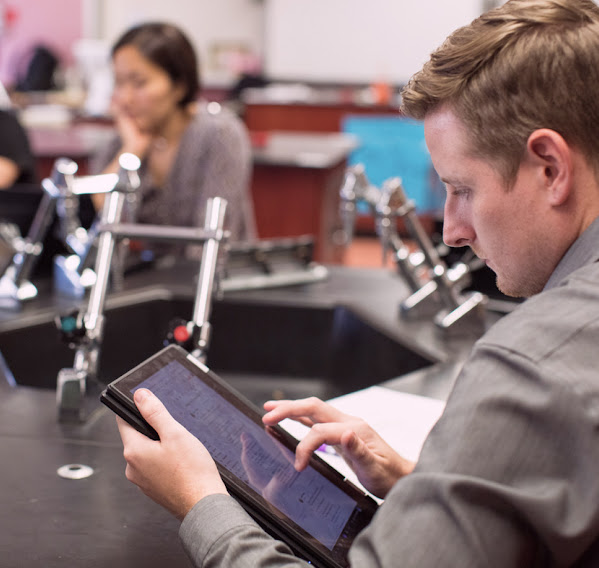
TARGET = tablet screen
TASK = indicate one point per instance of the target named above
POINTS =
(244, 448)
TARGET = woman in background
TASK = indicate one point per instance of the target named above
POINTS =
(190, 151)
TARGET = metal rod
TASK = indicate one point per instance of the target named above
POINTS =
(162, 232)
(214, 221)
(215, 215)
(111, 212)
(41, 222)
(402, 261)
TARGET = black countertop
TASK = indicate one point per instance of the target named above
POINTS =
(104, 520)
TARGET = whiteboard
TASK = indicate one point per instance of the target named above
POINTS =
(208, 23)
(357, 41)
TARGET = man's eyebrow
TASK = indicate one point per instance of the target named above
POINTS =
(448, 181)
(454, 181)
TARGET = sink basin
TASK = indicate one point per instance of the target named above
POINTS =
(265, 350)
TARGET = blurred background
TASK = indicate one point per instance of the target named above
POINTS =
(317, 83)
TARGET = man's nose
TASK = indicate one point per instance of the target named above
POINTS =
(457, 232)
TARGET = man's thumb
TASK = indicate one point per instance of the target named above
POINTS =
(153, 411)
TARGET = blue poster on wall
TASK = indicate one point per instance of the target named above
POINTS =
(392, 146)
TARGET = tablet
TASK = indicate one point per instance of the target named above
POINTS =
(317, 512)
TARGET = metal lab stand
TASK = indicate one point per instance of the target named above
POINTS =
(87, 332)
(427, 276)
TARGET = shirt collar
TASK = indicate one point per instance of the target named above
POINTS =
(585, 250)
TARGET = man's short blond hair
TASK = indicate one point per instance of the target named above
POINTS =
(526, 65)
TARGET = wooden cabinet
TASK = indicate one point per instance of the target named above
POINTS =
(295, 188)
(294, 201)
(306, 117)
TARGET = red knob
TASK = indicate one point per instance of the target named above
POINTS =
(181, 334)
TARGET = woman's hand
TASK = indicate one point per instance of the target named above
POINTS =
(134, 140)
(377, 465)
(176, 471)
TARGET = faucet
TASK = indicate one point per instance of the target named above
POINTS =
(426, 274)
(357, 188)
(84, 331)
(15, 285)
(61, 196)
(72, 274)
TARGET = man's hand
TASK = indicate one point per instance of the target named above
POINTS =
(377, 465)
(176, 471)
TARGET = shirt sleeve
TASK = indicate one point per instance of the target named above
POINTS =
(104, 155)
(217, 532)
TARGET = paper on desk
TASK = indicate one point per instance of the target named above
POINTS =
(403, 420)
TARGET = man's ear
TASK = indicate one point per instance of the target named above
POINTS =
(553, 156)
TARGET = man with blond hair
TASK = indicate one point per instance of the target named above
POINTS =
(509, 476)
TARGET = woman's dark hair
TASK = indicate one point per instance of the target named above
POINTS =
(166, 46)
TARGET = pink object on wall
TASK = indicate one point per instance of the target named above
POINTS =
(53, 23)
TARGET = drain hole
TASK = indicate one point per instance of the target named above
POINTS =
(75, 471)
